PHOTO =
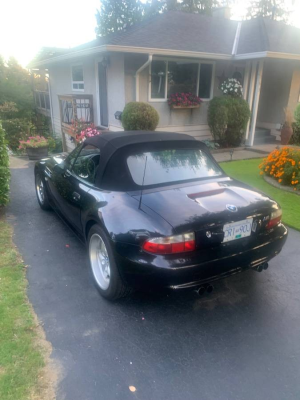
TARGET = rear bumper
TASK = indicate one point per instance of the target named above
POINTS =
(140, 269)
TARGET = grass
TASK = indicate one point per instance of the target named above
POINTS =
(247, 171)
(21, 360)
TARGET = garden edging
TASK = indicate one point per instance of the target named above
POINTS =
(274, 183)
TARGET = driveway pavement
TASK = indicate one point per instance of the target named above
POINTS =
(240, 343)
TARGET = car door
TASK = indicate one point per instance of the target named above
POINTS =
(55, 178)
(76, 183)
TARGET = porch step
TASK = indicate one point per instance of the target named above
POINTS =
(263, 136)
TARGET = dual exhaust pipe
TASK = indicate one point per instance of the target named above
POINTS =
(262, 267)
(208, 288)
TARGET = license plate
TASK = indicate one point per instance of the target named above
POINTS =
(237, 230)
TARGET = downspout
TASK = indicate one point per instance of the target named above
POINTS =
(51, 106)
(137, 77)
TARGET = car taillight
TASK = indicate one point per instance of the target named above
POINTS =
(171, 244)
(275, 219)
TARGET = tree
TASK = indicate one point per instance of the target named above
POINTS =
(116, 15)
(273, 9)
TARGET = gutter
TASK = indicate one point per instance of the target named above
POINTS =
(137, 77)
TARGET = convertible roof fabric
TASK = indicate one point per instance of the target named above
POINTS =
(110, 142)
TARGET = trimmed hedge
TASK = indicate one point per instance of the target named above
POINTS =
(227, 119)
(139, 116)
(4, 169)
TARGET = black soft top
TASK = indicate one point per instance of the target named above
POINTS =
(115, 145)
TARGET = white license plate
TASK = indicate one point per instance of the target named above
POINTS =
(237, 230)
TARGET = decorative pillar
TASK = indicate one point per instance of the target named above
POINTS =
(256, 102)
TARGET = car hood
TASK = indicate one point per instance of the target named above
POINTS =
(207, 204)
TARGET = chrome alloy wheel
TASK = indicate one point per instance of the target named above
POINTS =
(40, 189)
(99, 261)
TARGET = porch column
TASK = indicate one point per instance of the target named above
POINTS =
(246, 80)
(256, 102)
(251, 91)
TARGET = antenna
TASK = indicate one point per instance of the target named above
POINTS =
(140, 203)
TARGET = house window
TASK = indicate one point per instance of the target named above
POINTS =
(77, 78)
(158, 79)
(182, 76)
(205, 81)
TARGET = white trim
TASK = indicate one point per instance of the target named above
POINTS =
(163, 52)
(137, 77)
(256, 102)
(51, 106)
(246, 80)
(237, 38)
(77, 82)
(165, 98)
(199, 62)
(250, 93)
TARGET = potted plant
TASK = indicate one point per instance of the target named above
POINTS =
(87, 132)
(287, 130)
(36, 147)
(232, 87)
(184, 100)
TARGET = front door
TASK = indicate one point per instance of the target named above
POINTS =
(103, 95)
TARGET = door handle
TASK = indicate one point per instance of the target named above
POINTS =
(76, 196)
(67, 173)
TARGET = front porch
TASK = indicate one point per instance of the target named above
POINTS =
(270, 86)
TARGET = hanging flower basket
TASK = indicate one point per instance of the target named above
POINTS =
(184, 100)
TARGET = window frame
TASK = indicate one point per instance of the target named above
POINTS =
(85, 181)
(77, 82)
(191, 61)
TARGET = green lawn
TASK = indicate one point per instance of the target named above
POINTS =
(20, 359)
(247, 171)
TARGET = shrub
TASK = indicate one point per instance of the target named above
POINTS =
(139, 116)
(16, 130)
(284, 166)
(227, 119)
(295, 139)
(34, 142)
(4, 169)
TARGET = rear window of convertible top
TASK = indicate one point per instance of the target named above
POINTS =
(167, 166)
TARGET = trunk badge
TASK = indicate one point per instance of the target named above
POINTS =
(231, 207)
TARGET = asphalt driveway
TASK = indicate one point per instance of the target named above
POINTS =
(241, 342)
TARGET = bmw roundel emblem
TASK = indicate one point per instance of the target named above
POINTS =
(231, 207)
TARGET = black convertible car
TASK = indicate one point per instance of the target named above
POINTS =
(156, 210)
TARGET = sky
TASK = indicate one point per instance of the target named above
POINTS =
(28, 25)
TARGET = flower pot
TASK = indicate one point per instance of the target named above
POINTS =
(196, 106)
(36, 153)
(286, 134)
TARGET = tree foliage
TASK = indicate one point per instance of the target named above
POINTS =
(117, 15)
(4, 169)
(273, 9)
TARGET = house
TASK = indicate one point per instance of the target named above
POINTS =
(170, 52)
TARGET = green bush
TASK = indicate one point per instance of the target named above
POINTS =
(227, 119)
(16, 129)
(295, 139)
(138, 116)
(4, 169)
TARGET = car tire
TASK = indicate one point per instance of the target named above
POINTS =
(41, 192)
(103, 265)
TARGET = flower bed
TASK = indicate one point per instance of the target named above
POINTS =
(184, 100)
(283, 166)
